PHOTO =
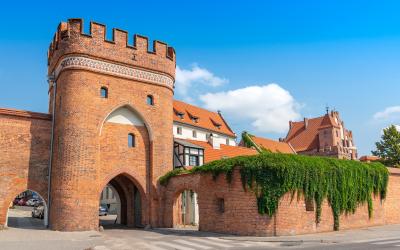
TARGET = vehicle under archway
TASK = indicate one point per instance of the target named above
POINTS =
(121, 204)
(28, 210)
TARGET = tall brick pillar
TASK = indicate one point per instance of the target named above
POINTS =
(81, 64)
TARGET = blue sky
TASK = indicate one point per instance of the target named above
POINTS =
(341, 53)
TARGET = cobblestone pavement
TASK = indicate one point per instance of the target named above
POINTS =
(25, 232)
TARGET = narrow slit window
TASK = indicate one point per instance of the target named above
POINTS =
(104, 92)
(150, 100)
(309, 205)
(221, 205)
(131, 140)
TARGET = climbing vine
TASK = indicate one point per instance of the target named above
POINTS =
(345, 184)
(248, 142)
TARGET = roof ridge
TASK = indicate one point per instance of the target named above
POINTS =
(226, 123)
(194, 106)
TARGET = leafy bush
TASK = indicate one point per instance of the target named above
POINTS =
(345, 184)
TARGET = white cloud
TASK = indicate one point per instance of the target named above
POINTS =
(268, 108)
(186, 78)
(390, 113)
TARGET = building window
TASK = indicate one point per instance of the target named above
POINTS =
(185, 155)
(150, 100)
(193, 160)
(179, 130)
(180, 115)
(195, 119)
(104, 92)
(194, 134)
(131, 140)
(227, 141)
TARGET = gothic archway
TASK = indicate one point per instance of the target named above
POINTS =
(28, 210)
(132, 205)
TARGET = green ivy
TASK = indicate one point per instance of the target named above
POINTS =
(345, 184)
(165, 178)
(249, 143)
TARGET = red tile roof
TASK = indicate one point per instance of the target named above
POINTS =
(225, 151)
(205, 119)
(273, 146)
(303, 139)
(369, 158)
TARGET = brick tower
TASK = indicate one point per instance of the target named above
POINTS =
(108, 93)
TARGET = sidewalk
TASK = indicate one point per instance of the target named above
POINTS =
(386, 232)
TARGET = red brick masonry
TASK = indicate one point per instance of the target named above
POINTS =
(241, 216)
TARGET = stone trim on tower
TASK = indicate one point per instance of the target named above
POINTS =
(82, 62)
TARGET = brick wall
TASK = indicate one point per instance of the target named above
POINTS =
(24, 151)
(85, 159)
(240, 215)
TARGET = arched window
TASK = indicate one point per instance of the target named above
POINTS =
(131, 140)
(104, 92)
(150, 100)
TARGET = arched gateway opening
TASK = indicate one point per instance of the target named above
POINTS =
(186, 210)
(27, 210)
(121, 203)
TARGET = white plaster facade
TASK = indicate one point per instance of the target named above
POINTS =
(201, 134)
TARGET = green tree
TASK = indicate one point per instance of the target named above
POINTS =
(388, 148)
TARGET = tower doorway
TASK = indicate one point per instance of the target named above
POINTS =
(120, 204)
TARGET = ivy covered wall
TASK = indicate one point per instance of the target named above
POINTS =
(344, 184)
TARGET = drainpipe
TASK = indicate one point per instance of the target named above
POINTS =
(51, 79)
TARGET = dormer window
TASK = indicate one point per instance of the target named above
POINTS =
(178, 113)
(216, 124)
(193, 118)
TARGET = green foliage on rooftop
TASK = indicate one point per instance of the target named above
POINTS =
(249, 143)
(345, 184)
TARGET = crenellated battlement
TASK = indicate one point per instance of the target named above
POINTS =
(70, 38)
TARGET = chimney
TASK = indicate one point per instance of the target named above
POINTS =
(281, 139)
(305, 122)
(212, 139)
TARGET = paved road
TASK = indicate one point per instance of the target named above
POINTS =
(21, 217)
(25, 232)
